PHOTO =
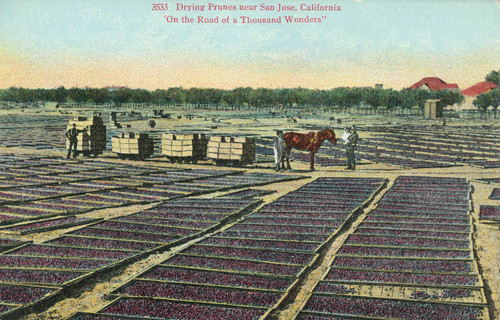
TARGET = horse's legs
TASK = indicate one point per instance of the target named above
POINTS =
(312, 160)
(288, 149)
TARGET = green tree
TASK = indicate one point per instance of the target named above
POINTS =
(196, 96)
(213, 96)
(15, 94)
(78, 95)
(408, 99)
(495, 99)
(263, 97)
(140, 96)
(482, 102)
(121, 96)
(487, 99)
(373, 97)
(493, 76)
(393, 99)
(448, 97)
(41, 95)
(241, 96)
(353, 97)
(99, 96)
(7, 94)
(420, 96)
(60, 95)
(176, 95)
(339, 97)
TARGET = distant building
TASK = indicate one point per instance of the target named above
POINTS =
(479, 88)
(470, 94)
(114, 88)
(434, 84)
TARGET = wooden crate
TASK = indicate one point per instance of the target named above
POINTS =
(241, 149)
(133, 144)
(184, 145)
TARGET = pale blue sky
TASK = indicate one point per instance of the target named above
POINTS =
(60, 42)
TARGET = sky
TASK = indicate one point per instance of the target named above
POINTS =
(98, 43)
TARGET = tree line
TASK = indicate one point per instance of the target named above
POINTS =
(344, 98)
(491, 97)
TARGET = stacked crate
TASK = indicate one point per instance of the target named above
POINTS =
(133, 144)
(192, 145)
(241, 149)
(93, 137)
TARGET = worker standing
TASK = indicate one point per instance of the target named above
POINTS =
(346, 134)
(279, 148)
(72, 136)
(351, 143)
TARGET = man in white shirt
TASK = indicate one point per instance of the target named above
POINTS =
(279, 148)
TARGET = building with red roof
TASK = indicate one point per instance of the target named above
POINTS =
(471, 93)
(479, 88)
(434, 83)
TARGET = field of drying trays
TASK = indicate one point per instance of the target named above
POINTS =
(413, 233)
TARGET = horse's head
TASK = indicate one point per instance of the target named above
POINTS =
(329, 135)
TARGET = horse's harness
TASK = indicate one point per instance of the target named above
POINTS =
(313, 141)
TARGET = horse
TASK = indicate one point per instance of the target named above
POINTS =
(307, 141)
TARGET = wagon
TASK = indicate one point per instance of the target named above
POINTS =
(236, 151)
(184, 147)
(132, 145)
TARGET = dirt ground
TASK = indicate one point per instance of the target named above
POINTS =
(92, 297)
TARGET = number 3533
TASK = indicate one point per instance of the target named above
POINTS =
(160, 6)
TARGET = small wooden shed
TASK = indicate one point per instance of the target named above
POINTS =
(433, 109)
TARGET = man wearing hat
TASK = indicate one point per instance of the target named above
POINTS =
(350, 145)
(72, 135)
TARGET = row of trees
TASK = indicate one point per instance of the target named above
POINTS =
(487, 99)
(490, 98)
(344, 98)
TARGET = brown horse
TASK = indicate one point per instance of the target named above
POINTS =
(310, 141)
